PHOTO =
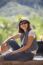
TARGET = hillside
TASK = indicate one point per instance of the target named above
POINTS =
(14, 7)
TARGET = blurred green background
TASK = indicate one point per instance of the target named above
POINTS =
(9, 26)
(12, 11)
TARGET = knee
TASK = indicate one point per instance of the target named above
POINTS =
(11, 42)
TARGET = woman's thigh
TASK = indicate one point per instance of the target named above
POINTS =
(20, 56)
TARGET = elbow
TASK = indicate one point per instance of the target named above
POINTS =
(27, 47)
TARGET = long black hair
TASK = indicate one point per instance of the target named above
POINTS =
(24, 22)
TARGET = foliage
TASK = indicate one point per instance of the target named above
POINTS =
(9, 27)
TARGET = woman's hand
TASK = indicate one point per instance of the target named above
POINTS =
(14, 52)
(11, 53)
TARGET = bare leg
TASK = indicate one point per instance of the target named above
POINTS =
(4, 47)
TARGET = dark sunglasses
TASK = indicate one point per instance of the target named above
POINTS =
(23, 23)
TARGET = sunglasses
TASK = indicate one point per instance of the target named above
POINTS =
(23, 23)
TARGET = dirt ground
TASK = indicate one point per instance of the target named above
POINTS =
(21, 62)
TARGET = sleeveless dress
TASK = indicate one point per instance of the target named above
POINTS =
(23, 56)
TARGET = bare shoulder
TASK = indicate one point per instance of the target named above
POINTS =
(19, 34)
(32, 33)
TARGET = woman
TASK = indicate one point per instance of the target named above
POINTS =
(29, 45)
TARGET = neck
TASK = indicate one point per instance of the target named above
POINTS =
(24, 30)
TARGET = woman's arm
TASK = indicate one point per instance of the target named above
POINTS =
(27, 46)
(12, 37)
(5, 46)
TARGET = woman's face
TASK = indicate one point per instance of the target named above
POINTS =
(24, 26)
